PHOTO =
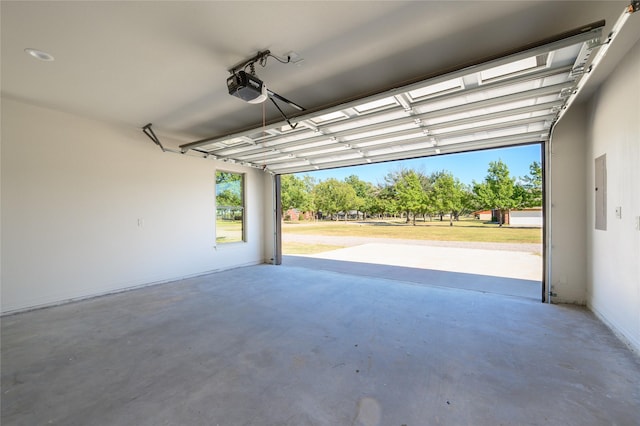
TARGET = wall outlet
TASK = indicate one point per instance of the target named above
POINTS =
(619, 212)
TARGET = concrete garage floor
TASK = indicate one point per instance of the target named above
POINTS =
(268, 345)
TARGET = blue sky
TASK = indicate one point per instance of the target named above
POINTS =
(467, 167)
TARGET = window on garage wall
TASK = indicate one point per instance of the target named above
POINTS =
(229, 207)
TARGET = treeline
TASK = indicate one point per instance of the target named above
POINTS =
(410, 193)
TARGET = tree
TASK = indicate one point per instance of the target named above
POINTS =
(386, 199)
(228, 189)
(295, 194)
(531, 186)
(396, 182)
(376, 204)
(363, 192)
(410, 194)
(228, 198)
(434, 206)
(497, 190)
(332, 196)
(469, 203)
(448, 195)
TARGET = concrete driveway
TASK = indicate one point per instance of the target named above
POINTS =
(510, 269)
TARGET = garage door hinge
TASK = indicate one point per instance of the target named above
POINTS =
(151, 135)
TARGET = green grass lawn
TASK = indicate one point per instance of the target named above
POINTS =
(228, 231)
(290, 247)
(464, 230)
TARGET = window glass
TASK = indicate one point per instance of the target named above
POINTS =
(229, 207)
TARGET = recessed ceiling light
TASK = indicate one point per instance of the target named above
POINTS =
(39, 54)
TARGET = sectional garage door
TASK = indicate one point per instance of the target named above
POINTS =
(509, 100)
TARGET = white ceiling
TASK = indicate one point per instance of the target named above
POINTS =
(166, 63)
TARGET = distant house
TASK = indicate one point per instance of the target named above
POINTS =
(350, 215)
(485, 215)
(520, 217)
(504, 214)
(526, 217)
(295, 215)
(491, 215)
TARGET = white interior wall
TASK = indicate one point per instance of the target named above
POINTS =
(90, 208)
(613, 272)
(567, 216)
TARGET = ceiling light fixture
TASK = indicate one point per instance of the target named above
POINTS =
(39, 54)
